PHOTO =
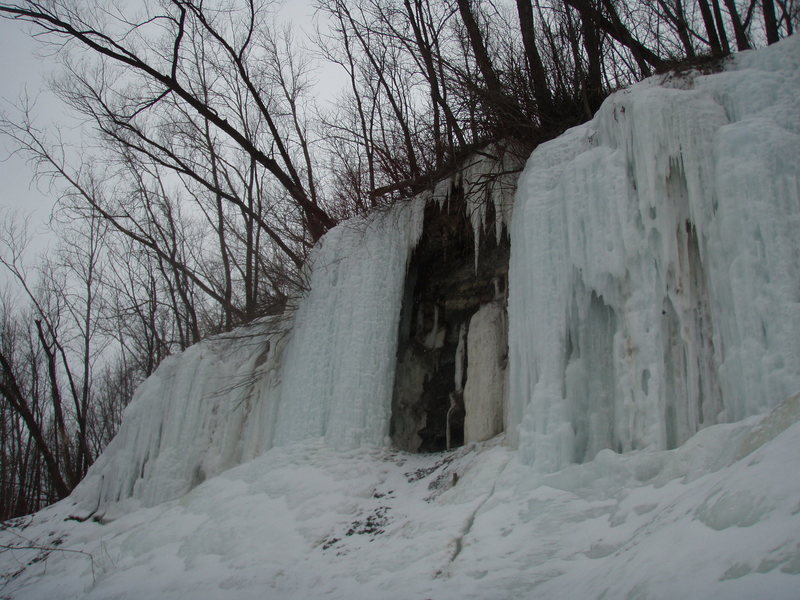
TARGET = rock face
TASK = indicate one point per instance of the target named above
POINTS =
(452, 321)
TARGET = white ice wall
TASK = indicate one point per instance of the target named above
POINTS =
(484, 392)
(202, 411)
(326, 371)
(655, 264)
(338, 372)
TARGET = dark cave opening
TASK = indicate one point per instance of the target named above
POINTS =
(443, 291)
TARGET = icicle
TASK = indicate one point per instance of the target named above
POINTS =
(432, 338)
(460, 357)
(475, 199)
(441, 191)
(499, 292)
(450, 410)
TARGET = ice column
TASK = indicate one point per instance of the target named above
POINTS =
(339, 366)
(485, 389)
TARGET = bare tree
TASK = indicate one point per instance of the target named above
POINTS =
(51, 392)
(154, 56)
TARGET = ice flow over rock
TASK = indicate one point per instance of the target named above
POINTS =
(654, 290)
(328, 370)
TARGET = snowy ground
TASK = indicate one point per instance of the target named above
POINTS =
(717, 518)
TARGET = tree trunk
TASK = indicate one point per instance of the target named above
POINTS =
(742, 43)
(541, 91)
(490, 78)
(723, 36)
(770, 22)
(711, 30)
(10, 389)
(619, 32)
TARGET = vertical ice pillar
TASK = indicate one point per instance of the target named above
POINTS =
(486, 361)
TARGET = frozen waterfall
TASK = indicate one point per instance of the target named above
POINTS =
(654, 290)
(325, 371)
(655, 264)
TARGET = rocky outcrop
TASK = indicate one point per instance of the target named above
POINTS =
(449, 381)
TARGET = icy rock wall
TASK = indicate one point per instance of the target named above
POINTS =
(327, 370)
(655, 264)
(443, 292)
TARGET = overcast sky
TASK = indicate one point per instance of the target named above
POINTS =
(24, 69)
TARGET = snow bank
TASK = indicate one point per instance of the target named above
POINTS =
(655, 264)
(716, 519)
(328, 370)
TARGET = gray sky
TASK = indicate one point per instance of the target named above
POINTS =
(24, 68)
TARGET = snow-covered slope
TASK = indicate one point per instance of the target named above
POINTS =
(654, 310)
(304, 521)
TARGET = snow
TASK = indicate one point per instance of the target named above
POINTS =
(649, 445)
(717, 520)
(655, 267)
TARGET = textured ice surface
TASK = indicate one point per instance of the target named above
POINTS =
(327, 371)
(486, 357)
(339, 365)
(202, 411)
(655, 264)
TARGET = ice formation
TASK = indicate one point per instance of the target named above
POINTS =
(489, 180)
(338, 371)
(655, 266)
(484, 393)
(654, 290)
(326, 370)
(201, 412)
